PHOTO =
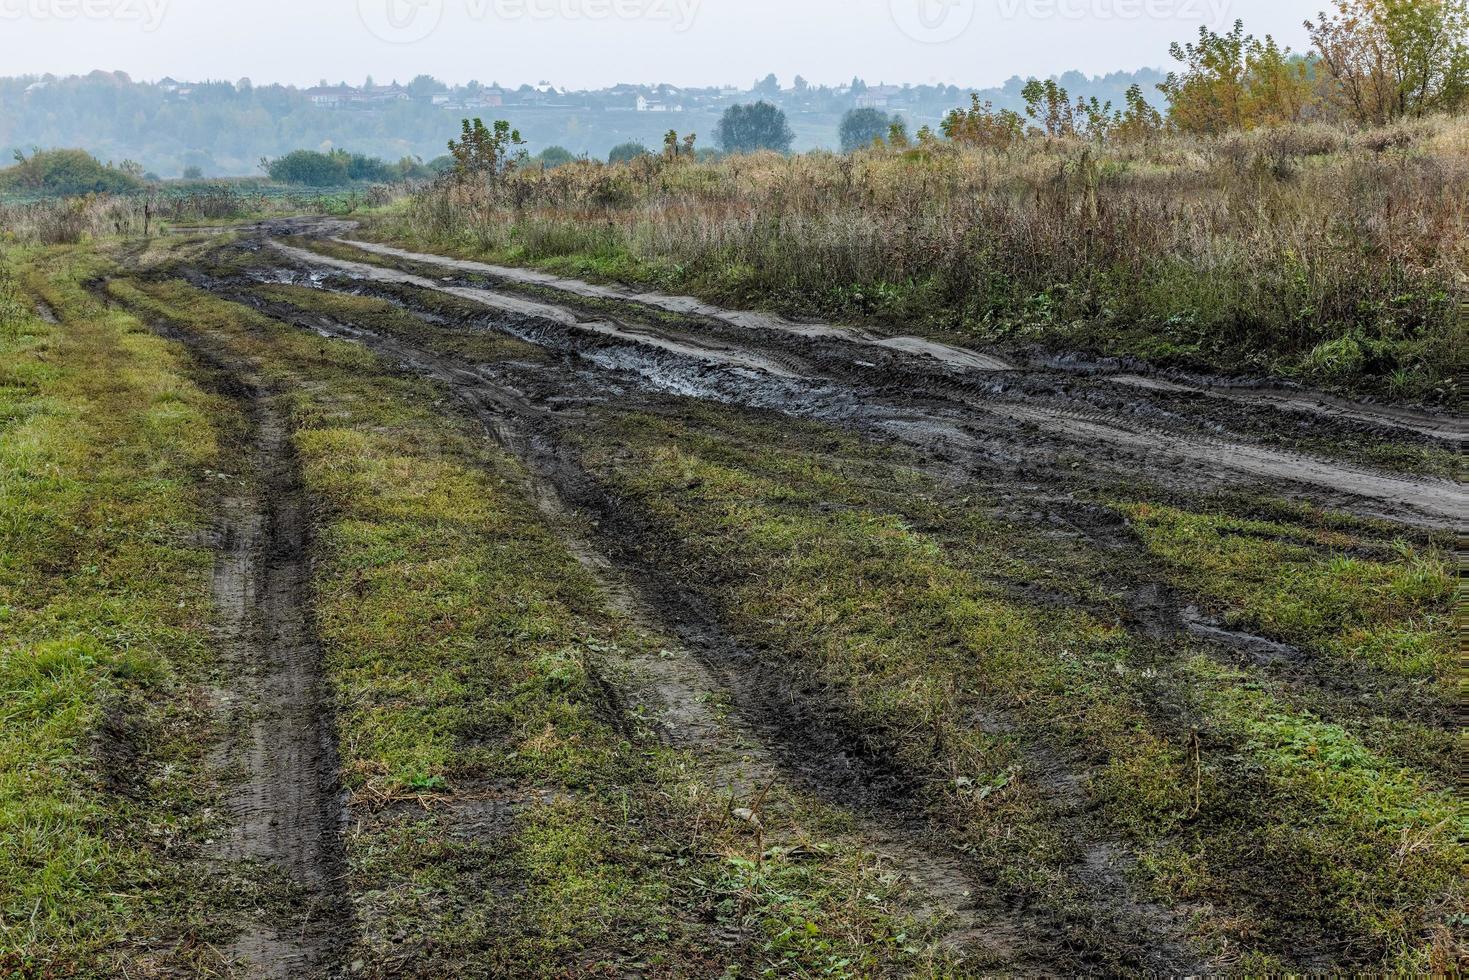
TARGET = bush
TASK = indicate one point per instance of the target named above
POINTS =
(66, 172)
(627, 152)
(555, 156)
(312, 169)
(308, 168)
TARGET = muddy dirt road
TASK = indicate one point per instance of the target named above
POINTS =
(1160, 431)
(279, 755)
(1047, 441)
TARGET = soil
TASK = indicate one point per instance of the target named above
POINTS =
(280, 755)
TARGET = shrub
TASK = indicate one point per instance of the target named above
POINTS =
(626, 152)
(66, 172)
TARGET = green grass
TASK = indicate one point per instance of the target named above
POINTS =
(1392, 611)
(104, 608)
(469, 652)
(940, 667)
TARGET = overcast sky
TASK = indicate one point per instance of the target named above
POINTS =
(592, 43)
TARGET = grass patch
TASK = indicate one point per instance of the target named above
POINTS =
(1306, 586)
(902, 611)
(104, 609)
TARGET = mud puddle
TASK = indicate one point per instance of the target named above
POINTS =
(943, 353)
(1425, 502)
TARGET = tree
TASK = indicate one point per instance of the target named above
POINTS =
(484, 153)
(1386, 59)
(193, 173)
(424, 86)
(768, 86)
(751, 128)
(861, 128)
(555, 156)
(626, 152)
(1236, 81)
(980, 125)
(898, 134)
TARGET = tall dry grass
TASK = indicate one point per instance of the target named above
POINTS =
(1305, 251)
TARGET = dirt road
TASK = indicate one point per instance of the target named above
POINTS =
(1048, 442)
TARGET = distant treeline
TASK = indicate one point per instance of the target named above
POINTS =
(220, 128)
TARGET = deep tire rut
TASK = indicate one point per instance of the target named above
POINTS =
(284, 809)
(1421, 501)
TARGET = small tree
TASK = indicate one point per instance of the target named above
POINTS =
(751, 128)
(555, 156)
(1139, 122)
(862, 127)
(1386, 59)
(1050, 105)
(1236, 81)
(484, 153)
(980, 125)
(626, 152)
(1209, 95)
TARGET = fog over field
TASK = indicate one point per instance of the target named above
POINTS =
(597, 43)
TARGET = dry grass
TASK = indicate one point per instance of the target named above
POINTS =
(1305, 251)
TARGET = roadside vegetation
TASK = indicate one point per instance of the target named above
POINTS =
(1271, 219)
(106, 449)
(1291, 251)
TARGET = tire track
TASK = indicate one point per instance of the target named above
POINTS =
(1443, 428)
(1425, 502)
(772, 736)
(917, 346)
(285, 809)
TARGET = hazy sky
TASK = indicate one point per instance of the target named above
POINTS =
(591, 43)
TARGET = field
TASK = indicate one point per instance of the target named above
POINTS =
(911, 564)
